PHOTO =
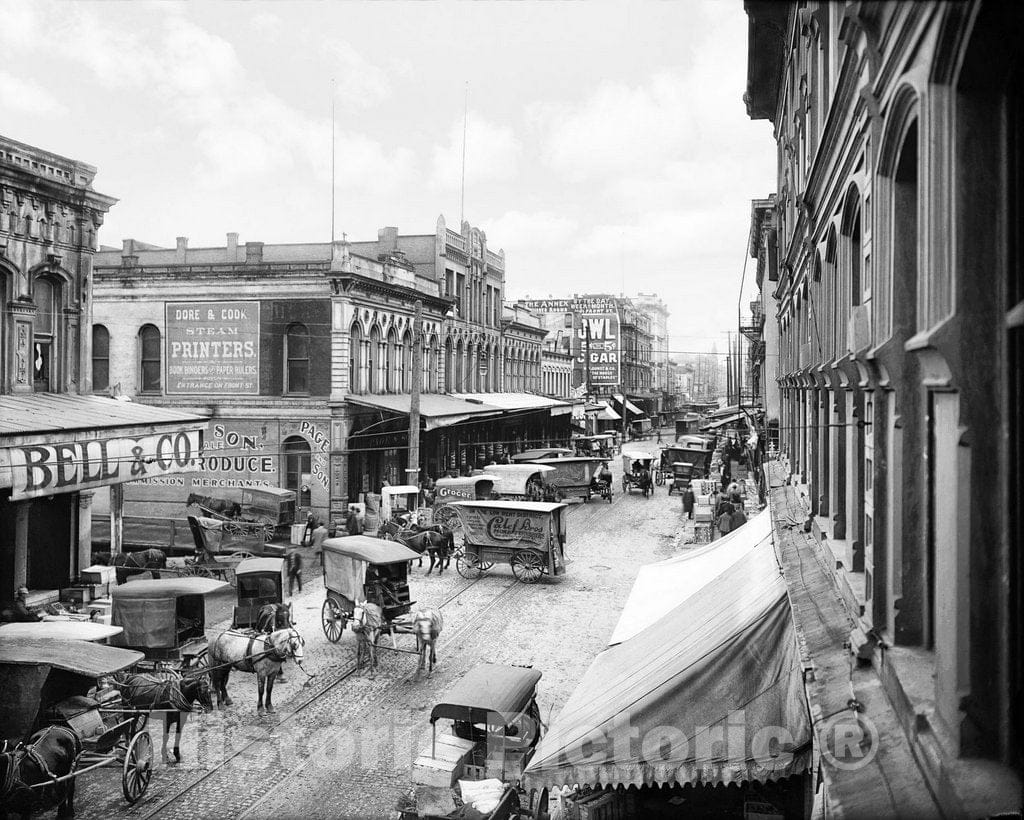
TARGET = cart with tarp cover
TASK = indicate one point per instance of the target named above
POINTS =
(522, 482)
(598, 446)
(529, 537)
(635, 463)
(464, 488)
(258, 582)
(63, 683)
(358, 568)
(398, 501)
(573, 475)
(165, 619)
(541, 452)
(495, 727)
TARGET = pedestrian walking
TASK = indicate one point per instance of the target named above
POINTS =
(659, 435)
(293, 565)
(724, 521)
(737, 519)
(352, 524)
(307, 533)
(689, 499)
(319, 536)
(734, 493)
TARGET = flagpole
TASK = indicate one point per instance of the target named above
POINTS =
(465, 122)
(332, 161)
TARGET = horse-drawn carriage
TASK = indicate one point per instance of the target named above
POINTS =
(600, 446)
(496, 725)
(165, 619)
(59, 721)
(464, 488)
(399, 501)
(258, 582)
(523, 482)
(530, 537)
(263, 514)
(219, 547)
(636, 472)
(573, 475)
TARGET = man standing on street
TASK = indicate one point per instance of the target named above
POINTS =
(319, 536)
(293, 564)
(308, 532)
(688, 501)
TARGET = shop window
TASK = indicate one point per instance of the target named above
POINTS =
(297, 468)
(149, 359)
(100, 359)
(296, 353)
(355, 352)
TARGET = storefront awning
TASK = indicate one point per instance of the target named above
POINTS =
(52, 443)
(603, 412)
(511, 402)
(714, 425)
(662, 586)
(436, 409)
(636, 411)
(710, 692)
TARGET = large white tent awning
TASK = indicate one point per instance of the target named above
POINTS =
(662, 586)
(710, 692)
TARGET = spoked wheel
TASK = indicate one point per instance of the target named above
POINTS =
(138, 767)
(539, 805)
(527, 566)
(659, 478)
(200, 571)
(241, 555)
(333, 617)
(469, 565)
(138, 722)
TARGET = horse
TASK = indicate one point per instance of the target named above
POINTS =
(51, 753)
(439, 547)
(272, 617)
(367, 623)
(132, 563)
(229, 509)
(262, 654)
(427, 624)
(167, 689)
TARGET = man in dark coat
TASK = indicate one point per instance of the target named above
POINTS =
(689, 499)
(293, 564)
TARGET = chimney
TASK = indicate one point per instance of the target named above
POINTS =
(253, 253)
(179, 252)
(387, 240)
(128, 257)
(232, 246)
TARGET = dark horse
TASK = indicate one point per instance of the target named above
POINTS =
(167, 689)
(272, 617)
(438, 546)
(51, 753)
(229, 509)
(132, 563)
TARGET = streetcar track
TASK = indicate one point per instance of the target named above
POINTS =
(344, 675)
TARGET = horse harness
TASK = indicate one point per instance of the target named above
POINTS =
(248, 663)
(10, 761)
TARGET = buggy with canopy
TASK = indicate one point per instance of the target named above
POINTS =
(51, 683)
(496, 725)
(165, 619)
(59, 629)
(636, 472)
(600, 446)
(258, 582)
(530, 537)
(359, 568)
(398, 501)
(574, 475)
(541, 452)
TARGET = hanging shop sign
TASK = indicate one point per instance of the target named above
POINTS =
(49, 469)
(212, 347)
(596, 337)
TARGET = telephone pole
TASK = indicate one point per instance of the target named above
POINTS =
(413, 470)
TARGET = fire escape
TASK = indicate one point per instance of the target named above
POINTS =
(752, 328)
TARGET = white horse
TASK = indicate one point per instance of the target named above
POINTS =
(367, 623)
(427, 624)
(253, 652)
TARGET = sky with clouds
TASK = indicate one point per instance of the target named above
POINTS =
(607, 149)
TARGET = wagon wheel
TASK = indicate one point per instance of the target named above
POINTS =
(447, 517)
(659, 477)
(469, 565)
(334, 619)
(138, 767)
(527, 566)
(241, 555)
(539, 805)
(200, 571)
(138, 721)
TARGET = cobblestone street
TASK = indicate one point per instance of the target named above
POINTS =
(343, 745)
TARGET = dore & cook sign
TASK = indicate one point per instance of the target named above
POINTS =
(213, 347)
(48, 469)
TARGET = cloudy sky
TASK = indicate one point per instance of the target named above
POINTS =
(608, 149)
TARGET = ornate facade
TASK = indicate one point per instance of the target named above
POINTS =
(894, 253)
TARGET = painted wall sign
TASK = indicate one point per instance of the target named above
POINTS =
(238, 454)
(503, 528)
(212, 347)
(603, 349)
(592, 304)
(48, 469)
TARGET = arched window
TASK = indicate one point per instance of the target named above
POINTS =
(407, 364)
(45, 330)
(296, 354)
(449, 366)
(355, 353)
(297, 467)
(373, 360)
(460, 367)
(391, 363)
(149, 359)
(100, 358)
